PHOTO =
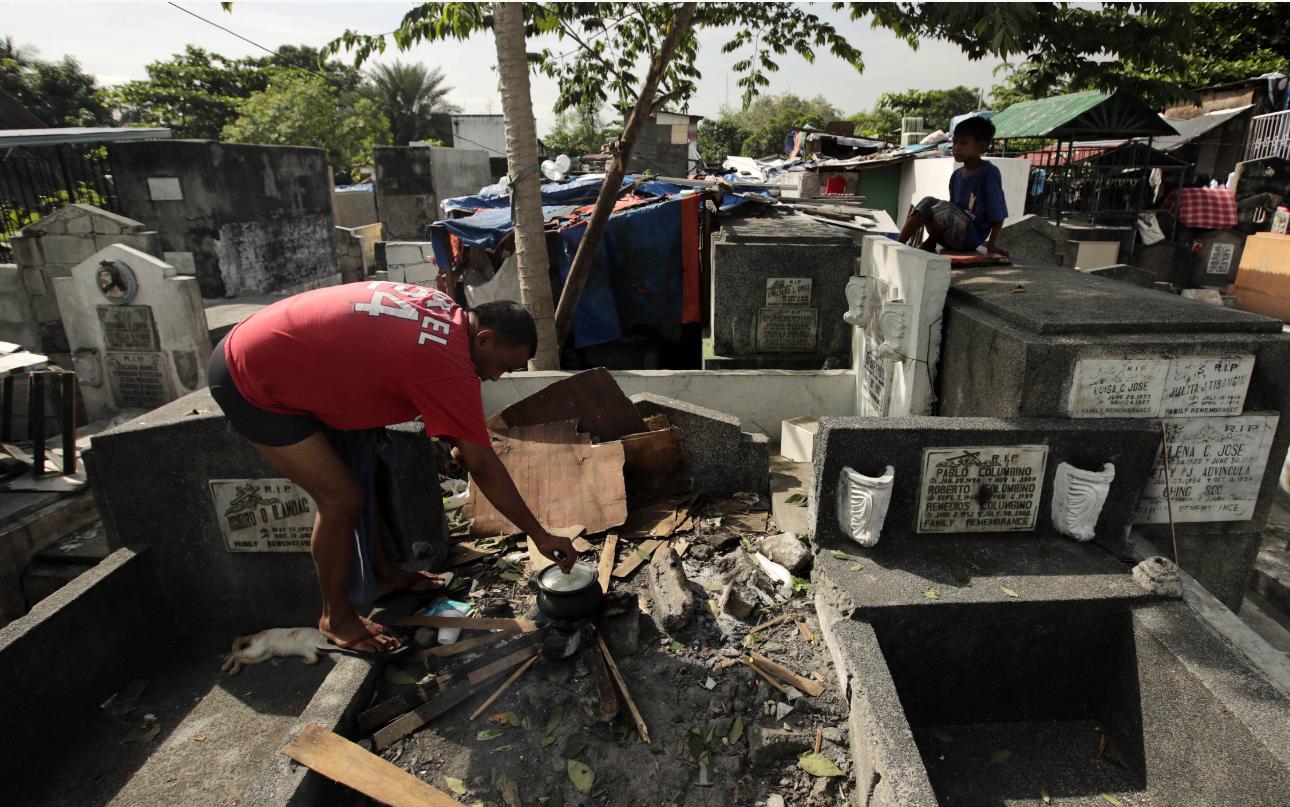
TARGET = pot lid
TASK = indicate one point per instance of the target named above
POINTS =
(555, 580)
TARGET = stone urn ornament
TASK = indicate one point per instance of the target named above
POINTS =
(862, 504)
(1078, 496)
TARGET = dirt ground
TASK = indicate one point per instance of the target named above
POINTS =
(706, 712)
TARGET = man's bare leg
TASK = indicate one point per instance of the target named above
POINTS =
(314, 465)
(913, 223)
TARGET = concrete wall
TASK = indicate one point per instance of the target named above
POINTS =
(661, 148)
(353, 208)
(17, 318)
(761, 399)
(49, 248)
(486, 132)
(931, 177)
(410, 181)
(248, 219)
(75, 649)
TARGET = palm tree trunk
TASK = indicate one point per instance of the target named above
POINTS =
(526, 198)
(609, 191)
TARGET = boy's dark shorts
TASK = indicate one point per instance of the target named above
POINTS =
(249, 420)
(950, 216)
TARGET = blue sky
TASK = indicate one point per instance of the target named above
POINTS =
(115, 41)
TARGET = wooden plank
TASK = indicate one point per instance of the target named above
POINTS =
(766, 675)
(562, 482)
(660, 519)
(371, 719)
(593, 397)
(786, 675)
(641, 728)
(465, 645)
(606, 569)
(438, 705)
(505, 685)
(342, 761)
(769, 623)
(634, 559)
(805, 631)
(501, 665)
(653, 452)
(464, 622)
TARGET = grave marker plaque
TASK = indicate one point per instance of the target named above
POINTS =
(263, 515)
(786, 330)
(1216, 467)
(139, 380)
(792, 292)
(1207, 385)
(981, 489)
(128, 327)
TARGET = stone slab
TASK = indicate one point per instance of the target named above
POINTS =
(719, 456)
(1063, 302)
(869, 445)
(1161, 386)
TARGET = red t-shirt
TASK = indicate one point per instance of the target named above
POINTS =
(362, 356)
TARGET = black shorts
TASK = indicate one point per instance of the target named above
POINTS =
(249, 420)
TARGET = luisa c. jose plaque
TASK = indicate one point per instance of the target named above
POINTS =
(1159, 386)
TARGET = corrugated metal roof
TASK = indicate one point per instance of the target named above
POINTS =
(13, 138)
(1080, 116)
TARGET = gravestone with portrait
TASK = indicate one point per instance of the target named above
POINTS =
(136, 329)
(1213, 382)
(778, 291)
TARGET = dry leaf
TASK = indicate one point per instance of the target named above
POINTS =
(455, 785)
(557, 714)
(931, 593)
(1008, 591)
(582, 776)
(818, 765)
(1043, 794)
(857, 567)
(736, 731)
(488, 734)
(1000, 756)
(1109, 799)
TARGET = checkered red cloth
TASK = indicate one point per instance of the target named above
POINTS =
(1203, 208)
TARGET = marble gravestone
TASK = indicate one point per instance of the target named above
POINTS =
(137, 331)
(896, 305)
(1046, 342)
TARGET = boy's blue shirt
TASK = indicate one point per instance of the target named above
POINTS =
(981, 195)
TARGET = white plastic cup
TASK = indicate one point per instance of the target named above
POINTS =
(449, 635)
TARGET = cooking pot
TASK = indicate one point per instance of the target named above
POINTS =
(567, 597)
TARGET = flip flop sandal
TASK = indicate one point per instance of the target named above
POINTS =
(348, 649)
(446, 580)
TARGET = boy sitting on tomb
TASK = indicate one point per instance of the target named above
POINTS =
(976, 209)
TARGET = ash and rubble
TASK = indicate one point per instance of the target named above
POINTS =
(720, 733)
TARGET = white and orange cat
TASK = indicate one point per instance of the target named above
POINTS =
(272, 643)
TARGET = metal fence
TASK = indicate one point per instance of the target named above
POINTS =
(1269, 136)
(37, 180)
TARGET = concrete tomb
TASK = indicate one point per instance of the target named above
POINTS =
(412, 181)
(895, 306)
(48, 249)
(1045, 342)
(136, 329)
(243, 219)
(1035, 241)
(779, 290)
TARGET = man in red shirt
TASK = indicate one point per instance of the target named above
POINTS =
(364, 356)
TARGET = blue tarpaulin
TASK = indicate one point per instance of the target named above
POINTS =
(580, 191)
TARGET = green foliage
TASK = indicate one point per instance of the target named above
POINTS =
(302, 109)
(58, 93)
(719, 138)
(935, 107)
(1215, 43)
(580, 131)
(197, 93)
(408, 94)
(610, 41)
(13, 218)
(879, 124)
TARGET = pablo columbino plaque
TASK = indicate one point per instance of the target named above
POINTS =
(981, 489)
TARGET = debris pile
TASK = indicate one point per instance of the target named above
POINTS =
(700, 679)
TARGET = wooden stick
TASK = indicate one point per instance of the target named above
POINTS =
(634, 559)
(466, 645)
(788, 676)
(764, 674)
(641, 728)
(819, 740)
(769, 623)
(607, 561)
(505, 684)
(805, 631)
(342, 761)
(464, 622)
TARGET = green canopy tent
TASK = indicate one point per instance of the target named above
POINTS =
(1063, 121)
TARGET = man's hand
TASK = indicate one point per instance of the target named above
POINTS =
(550, 545)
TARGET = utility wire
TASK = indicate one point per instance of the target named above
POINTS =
(222, 28)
